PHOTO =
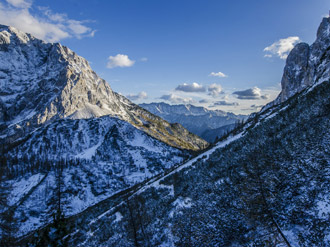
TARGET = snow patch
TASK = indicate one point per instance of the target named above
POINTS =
(183, 202)
(119, 217)
(22, 187)
(323, 209)
(90, 152)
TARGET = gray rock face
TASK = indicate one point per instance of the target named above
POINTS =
(42, 82)
(45, 81)
(295, 71)
(306, 64)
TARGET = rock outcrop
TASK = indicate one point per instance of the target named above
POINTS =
(306, 64)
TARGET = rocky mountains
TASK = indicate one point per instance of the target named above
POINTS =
(208, 124)
(93, 169)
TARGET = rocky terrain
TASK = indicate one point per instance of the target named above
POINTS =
(264, 184)
(42, 82)
(67, 140)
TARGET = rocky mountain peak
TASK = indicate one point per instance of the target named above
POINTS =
(11, 35)
(295, 70)
(323, 31)
(306, 64)
(44, 82)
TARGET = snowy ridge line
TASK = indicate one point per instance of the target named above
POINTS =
(91, 233)
(263, 115)
(155, 181)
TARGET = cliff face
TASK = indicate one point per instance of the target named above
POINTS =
(42, 82)
(307, 65)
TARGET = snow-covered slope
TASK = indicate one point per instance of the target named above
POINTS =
(67, 140)
(42, 82)
(199, 120)
(94, 159)
(267, 184)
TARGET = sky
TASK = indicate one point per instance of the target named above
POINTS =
(219, 54)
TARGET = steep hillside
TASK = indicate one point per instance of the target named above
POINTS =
(67, 141)
(42, 82)
(267, 184)
(203, 122)
(69, 165)
(267, 187)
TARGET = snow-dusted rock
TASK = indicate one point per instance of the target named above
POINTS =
(42, 82)
(307, 65)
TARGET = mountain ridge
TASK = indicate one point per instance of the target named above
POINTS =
(267, 187)
(208, 124)
(265, 184)
(43, 82)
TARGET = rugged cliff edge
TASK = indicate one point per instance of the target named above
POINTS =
(42, 82)
(307, 65)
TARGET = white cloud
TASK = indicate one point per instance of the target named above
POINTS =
(144, 59)
(177, 99)
(214, 89)
(251, 93)
(44, 24)
(139, 96)
(194, 87)
(282, 47)
(218, 74)
(20, 3)
(120, 60)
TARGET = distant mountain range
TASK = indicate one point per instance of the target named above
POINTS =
(67, 140)
(89, 168)
(208, 124)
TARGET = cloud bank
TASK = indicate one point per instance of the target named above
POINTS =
(139, 96)
(177, 99)
(42, 23)
(214, 89)
(224, 103)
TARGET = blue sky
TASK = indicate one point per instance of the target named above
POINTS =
(173, 51)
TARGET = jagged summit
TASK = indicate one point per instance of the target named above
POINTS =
(184, 109)
(43, 82)
(13, 35)
(65, 83)
(306, 64)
